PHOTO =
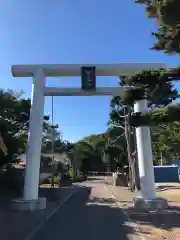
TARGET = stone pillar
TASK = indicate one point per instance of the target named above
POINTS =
(145, 158)
(31, 184)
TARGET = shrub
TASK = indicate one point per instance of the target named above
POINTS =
(70, 173)
(80, 178)
(57, 179)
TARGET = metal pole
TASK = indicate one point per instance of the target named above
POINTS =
(52, 150)
(161, 159)
(52, 113)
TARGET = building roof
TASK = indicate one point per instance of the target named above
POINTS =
(57, 157)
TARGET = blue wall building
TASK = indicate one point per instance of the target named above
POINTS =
(166, 173)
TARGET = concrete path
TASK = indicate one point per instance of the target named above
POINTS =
(89, 215)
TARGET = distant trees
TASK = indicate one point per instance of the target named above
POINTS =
(14, 117)
(14, 123)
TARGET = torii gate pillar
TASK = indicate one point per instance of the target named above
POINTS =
(31, 184)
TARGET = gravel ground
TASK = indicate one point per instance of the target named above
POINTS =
(152, 225)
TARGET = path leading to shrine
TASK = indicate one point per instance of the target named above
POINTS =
(90, 214)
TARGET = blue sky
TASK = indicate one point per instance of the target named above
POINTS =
(69, 31)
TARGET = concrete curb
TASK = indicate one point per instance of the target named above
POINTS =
(130, 223)
(35, 230)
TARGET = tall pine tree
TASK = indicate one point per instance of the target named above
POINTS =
(166, 14)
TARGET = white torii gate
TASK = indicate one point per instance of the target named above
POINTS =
(38, 73)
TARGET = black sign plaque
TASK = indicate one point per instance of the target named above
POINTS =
(88, 78)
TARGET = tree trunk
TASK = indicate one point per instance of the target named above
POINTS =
(132, 155)
(3, 146)
(77, 172)
(129, 147)
(73, 169)
(53, 172)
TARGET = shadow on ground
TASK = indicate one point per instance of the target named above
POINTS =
(102, 200)
(95, 178)
(84, 217)
(17, 224)
(166, 187)
(162, 220)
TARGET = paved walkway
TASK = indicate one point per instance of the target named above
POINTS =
(19, 224)
(91, 214)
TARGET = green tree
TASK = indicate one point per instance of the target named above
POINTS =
(159, 91)
(90, 154)
(166, 13)
(100, 155)
(14, 116)
(165, 131)
(104, 156)
(99, 158)
(51, 139)
(166, 142)
(78, 153)
(14, 123)
(124, 133)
